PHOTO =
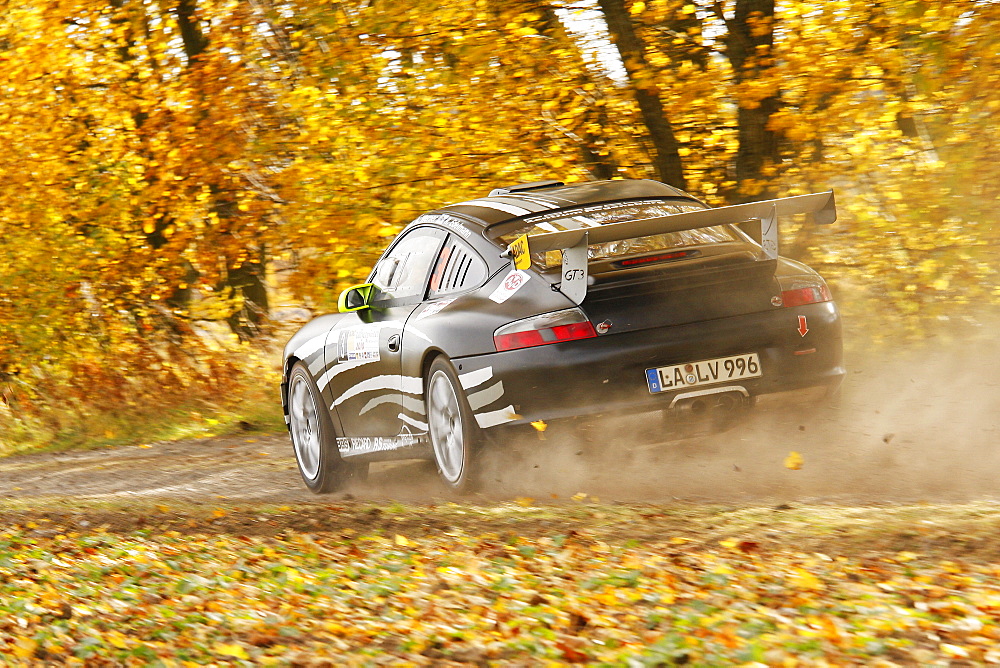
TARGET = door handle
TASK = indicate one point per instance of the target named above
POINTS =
(394, 343)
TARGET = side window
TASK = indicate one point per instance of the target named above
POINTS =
(458, 268)
(401, 274)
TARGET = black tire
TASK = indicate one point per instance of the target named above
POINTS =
(455, 436)
(314, 438)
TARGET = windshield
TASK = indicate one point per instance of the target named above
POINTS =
(603, 214)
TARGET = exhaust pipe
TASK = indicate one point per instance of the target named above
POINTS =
(721, 404)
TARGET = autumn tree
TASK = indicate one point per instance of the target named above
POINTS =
(170, 164)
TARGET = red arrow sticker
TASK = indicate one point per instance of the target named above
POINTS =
(803, 327)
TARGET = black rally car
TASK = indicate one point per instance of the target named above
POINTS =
(545, 301)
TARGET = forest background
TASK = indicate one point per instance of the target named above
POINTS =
(175, 172)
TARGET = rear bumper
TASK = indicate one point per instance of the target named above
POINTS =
(607, 375)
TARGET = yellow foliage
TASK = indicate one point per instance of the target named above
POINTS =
(141, 171)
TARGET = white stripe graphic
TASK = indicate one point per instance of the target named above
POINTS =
(409, 384)
(310, 346)
(535, 200)
(416, 423)
(325, 379)
(485, 397)
(408, 403)
(498, 206)
(474, 378)
(494, 418)
(412, 385)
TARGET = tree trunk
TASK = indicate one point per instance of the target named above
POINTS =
(666, 158)
(749, 41)
(599, 165)
(247, 278)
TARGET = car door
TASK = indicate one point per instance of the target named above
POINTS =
(364, 353)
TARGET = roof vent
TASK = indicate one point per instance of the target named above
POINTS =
(534, 185)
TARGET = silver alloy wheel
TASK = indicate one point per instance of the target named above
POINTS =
(306, 437)
(445, 421)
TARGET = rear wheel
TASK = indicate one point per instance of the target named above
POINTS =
(455, 436)
(314, 438)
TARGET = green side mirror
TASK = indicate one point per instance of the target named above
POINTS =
(355, 298)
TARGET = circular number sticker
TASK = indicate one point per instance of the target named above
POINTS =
(513, 282)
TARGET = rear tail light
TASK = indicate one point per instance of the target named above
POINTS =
(801, 290)
(541, 330)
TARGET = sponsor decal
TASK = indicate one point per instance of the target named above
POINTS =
(511, 283)
(433, 308)
(365, 444)
(358, 344)
(519, 251)
(451, 222)
(496, 206)
(555, 215)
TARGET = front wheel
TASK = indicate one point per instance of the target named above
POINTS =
(455, 436)
(313, 436)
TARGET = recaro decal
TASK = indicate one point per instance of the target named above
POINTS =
(359, 445)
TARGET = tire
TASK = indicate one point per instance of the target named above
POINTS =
(455, 436)
(314, 437)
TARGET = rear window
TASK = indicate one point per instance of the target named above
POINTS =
(616, 213)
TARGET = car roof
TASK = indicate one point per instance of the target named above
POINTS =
(513, 202)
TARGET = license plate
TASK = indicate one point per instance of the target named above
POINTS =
(707, 372)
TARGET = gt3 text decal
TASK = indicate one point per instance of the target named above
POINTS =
(358, 344)
(511, 283)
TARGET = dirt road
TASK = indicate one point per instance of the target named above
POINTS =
(919, 428)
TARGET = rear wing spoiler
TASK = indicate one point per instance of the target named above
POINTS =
(573, 243)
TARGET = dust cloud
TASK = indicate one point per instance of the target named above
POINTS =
(916, 425)
(913, 425)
